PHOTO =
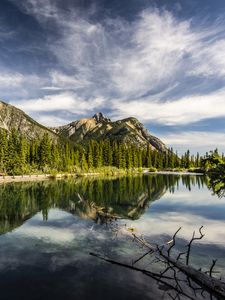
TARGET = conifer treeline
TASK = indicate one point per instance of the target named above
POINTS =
(21, 156)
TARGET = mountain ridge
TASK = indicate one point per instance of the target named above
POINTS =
(100, 127)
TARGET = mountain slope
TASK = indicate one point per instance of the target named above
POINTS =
(12, 117)
(99, 127)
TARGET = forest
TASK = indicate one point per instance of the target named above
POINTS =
(19, 155)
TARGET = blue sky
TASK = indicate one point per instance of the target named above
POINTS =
(160, 61)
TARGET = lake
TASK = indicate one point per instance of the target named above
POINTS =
(49, 228)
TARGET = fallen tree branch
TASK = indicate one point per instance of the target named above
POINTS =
(153, 275)
(212, 285)
(215, 287)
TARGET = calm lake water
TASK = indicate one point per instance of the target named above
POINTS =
(48, 229)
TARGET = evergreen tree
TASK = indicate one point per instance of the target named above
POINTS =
(45, 151)
(148, 163)
(90, 156)
(84, 165)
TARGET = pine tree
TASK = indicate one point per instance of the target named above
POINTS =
(90, 156)
(84, 165)
(139, 159)
(129, 159)
(149, 157)
(3, 150)
(55, 157)
(45, 151)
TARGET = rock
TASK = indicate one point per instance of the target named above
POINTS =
(100, 117)
(99, 127)
(12, 117)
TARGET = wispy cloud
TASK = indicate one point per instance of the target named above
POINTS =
(18, 85)
(129, 60)
(10, 79)
(62, 81)
(182, 111)
(43, 10)
(156, 67)
(63, 101)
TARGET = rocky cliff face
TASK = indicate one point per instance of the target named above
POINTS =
(12, 117)
(100, 127)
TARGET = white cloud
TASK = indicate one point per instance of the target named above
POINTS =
(155, 54)
(51, 120)
(16, 80)
(128, 59)
(197, 137)
(186, 110)
(43, 10)
(63, 101)
(15, 85)
(206, 55)
(168, 222)
(61, 81)
(134, 68)
(200, 141)
(11, 79)
(132, 59)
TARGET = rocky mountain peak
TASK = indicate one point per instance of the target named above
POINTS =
(100, 117)
(99, 127)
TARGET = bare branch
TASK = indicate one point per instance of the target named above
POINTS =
(137, 260)
(180, 254)
(173, 241)
(191, 241)
(212, 266)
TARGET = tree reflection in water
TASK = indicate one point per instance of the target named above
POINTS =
(91, 198)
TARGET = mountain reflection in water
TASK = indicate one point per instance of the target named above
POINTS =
(89, 198)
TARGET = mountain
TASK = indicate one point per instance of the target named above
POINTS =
(12, 117)
(99, 127)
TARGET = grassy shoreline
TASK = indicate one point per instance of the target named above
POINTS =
(117, 172)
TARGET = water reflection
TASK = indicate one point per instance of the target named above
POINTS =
(90, 198)
(62, 222)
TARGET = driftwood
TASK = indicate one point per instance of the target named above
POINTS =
(205, 281)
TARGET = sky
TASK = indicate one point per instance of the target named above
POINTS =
(161, 61)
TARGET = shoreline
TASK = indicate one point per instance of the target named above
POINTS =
(42, 177)
(26, 178)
